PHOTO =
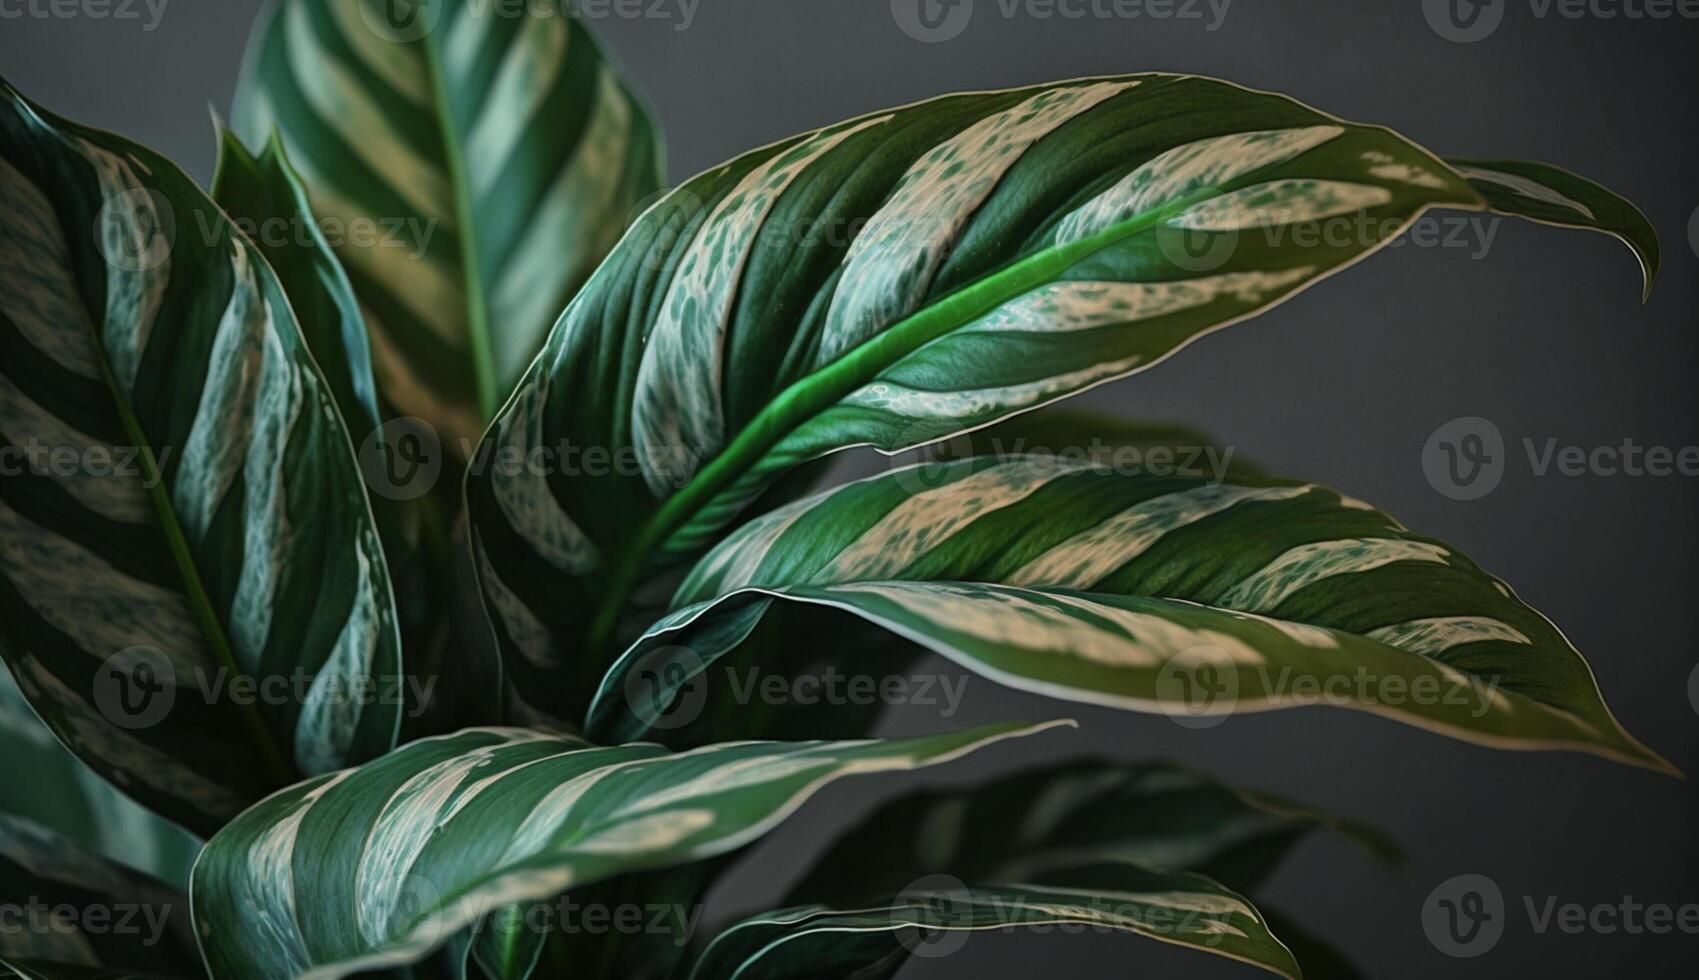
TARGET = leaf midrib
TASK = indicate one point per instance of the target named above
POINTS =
(825, 387)
(477, 304)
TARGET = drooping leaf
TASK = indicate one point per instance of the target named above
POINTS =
(873, 941)
(376, 866)
(498, 157)
(53, 788)
(1554, 196)
(1173, 594)
(1155, 815)
(199, 515)
(71, 914)
(891, 281)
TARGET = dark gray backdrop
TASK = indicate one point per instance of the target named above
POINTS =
(1541, 334)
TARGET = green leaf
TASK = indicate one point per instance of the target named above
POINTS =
(200, 516)
(1553, 196)
(497, 157)
(873, 940)
(265, 198)
(1172, 594)
(71, 913)
(892, 281)
(53, 788)
(1155, 815)
(378, 865)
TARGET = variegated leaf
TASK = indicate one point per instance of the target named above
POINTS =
(891, 281)
(1554, 196)
(198, 517)
(376, 866)
(497, 156)
(1175, 594)
(71, 914)
(872, 941)
(52, 787)
(1158, 816)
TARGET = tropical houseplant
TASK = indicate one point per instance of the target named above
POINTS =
(397, 580)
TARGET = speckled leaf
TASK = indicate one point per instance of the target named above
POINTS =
(376, 866)
(1174, 594)
(891, 281)
(200, 515)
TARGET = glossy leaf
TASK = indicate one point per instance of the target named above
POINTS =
(1554, 196)
(201, 516)
(891, 281)
(375, 866)
(874, 941)
(497, 157)
(1154, 815)
(73, 914)
(52, 787)
(1155, 594)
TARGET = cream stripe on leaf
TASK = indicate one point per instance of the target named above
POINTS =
(201, 516)
(491, 163)
(904, 277)
(444, 831)
(1110, 586)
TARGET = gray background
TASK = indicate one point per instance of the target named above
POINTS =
(1542, 335)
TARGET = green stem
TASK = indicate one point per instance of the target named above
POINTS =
(276, 765)
(477, 306)
(827, 386)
